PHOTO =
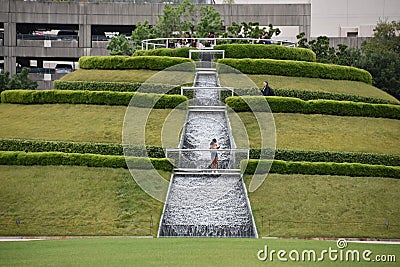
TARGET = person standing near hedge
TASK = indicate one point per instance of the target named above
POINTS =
(267, 91)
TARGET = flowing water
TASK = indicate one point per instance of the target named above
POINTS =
(207, 204)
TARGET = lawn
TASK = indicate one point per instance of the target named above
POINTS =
(181, 252)
(70, 200)
(328, 206)
(312, 84)
(91, 123)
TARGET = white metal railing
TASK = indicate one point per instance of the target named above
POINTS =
(201, 158)
(171, 42)
(184, 88)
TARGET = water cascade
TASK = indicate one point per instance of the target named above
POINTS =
(203, 202)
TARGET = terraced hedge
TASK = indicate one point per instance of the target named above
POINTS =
(76, 159)
(266, 51)
(168, 52)
(322, 168)
(126, 62)
(116, 86)
(90, 97)
(311, 95)
(278, 166)
(297, 69)
(328, 107)
(157, 152)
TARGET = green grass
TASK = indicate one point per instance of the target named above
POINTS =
(91, 123)
(66, 200)
(321, 205)
(332, 133)
(175, 252)
(336, 86)
(311, 84)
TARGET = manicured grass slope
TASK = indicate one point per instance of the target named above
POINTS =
(336, 86)
(318, 205)
(69, 200)
(175, 252)
(91, 123)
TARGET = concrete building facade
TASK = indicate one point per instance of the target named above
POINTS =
(85, 18)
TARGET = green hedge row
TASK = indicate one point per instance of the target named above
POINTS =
(76, 159)
(90, 97)
(157, 152)
(330, 156)
(167, 52)
(321, 106)
(311, 95)
(322, 168)
(126, 62)
(266, 51)
(278, 166)
(80, 147)
(116, 86)
(297, 69)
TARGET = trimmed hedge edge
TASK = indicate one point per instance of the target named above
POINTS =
(320, 106)
(321, 168)
(90, 97)
(76, 159)
(297, 69)
(158, 152)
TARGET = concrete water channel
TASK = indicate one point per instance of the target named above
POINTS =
(203, 202)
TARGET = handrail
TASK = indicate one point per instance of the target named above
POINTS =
(213, 41)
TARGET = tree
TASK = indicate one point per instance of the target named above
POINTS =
(22, 81)
(382, 57)
(120, 46)
(4, 80)
(322, 50)
(210, 21)
(17, 81)
(177, 19)
(142, 32)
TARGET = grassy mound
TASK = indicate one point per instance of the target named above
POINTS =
(92, 123)
(301, 83)
(61, 200)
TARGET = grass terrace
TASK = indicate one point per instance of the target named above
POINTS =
(93, 123)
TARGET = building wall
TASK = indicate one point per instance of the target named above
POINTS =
(86, 14)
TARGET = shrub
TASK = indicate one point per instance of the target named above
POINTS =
(331, 156)
(328, 107)
(90, 97)
(125, 62)
(310, 95)
(157, 152)
(297, 69)
(80, 147)
(116, 86)
(266, 51)
(322, 168)
(75, 159)
(168, 52)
